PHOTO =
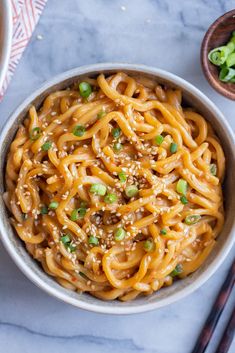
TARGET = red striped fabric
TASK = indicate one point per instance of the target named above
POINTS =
(25, 15)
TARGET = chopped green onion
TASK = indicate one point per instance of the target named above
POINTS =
(53, 205)
(231, 46)
(65, 239)
(77, 213)
(230, 60)
(226, 74)
(148, 245)
(35, 133)
(110, 198)
(183, 200)
(173, 147)
(163, 231)
(122, 177)
(117, 146)
(70, 247)
(74, 215)
(192, 219)
(159, 139)
(131, 190)
(85, 89)
(101, 114)
(177, 271)
(93, 240)
(44, 210)
(116, 132)
(213, 169)
(79, 130)
(81, 212)
(46, 146)
(98, 189)
(219, 55)
(224, 57)
(181, 187)
(120, 234)
(24, 216)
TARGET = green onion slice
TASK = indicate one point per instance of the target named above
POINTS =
(79, 130)
(120, 234)
(77, 213)
(159, 139)
(148, 245)
(213, 169)
(93, 240)
(70, 247)
(122, 177)
(46, 146)
(226, 74)
(53, 205)
(163, 231)
(177, 271)
(85, 89)
(35, 133)
(110, 198)
(219, 55)
(65, 239)
(230, 60)
(81, 212)
(173, 147)
(98, 189)
(192, 219)
(131, 190)
(231, 46)
(117, 146)
(183, 200)
(181, 187)
(74, 215)
(116, 132)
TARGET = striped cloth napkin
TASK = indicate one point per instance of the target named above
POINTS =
(25, 15)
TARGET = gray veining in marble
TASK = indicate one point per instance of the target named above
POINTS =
(162, 33)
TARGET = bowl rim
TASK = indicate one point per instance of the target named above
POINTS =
(77, 302)
(215, 83)
(7, 38)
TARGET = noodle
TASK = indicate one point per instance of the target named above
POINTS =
(117, 194)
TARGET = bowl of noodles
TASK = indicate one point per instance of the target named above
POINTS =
(115, 184)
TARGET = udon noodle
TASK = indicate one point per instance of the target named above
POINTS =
(115, 187)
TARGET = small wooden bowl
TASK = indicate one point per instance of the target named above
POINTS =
(218, 34)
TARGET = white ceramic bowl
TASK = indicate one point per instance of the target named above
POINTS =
(5, 37)
(166, 295)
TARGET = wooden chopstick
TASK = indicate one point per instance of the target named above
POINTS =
(217, 309)
(228, 335)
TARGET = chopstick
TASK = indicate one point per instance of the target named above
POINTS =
(215, 313)
(228, 335)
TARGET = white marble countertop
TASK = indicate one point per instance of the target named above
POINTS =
(162, 33)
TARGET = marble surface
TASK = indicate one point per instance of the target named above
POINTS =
(162, 33)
